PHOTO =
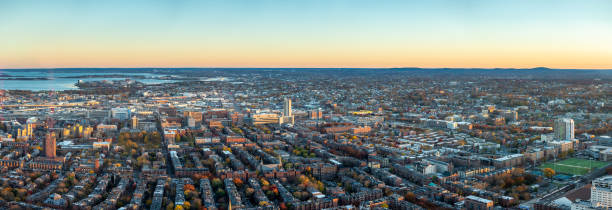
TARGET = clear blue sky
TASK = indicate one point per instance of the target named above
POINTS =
(306, 33)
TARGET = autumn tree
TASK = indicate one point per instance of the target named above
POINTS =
(238, 182)
(548, 172)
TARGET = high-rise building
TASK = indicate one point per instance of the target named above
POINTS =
(287, 116)
(50, 145)
(287, 108)
(134, 122)
(564, 129)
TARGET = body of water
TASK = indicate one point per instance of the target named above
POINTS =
(56, 82)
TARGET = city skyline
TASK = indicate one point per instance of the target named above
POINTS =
(432, 34)
(305, 104)
(287, 139)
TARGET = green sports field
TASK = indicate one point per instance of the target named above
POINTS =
(573, 166)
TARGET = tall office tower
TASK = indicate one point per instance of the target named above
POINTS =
(287, 108)
(564, 129)
(134, 122)
(601, 192)
(50, 145)
(287, 116)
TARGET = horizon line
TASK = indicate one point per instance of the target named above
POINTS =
(364, 68)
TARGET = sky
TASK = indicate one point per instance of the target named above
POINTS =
(306, 33)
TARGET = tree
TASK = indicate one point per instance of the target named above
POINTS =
(189, 187)
(216, 183)
(220, 192)
(410, 196)
(238, 182)
(170, 206)
(185, 138)
(435, 179)
(249, 192)
(320, 186)
(196, 203)
(188, 194)
(270, 194)
(548, 172)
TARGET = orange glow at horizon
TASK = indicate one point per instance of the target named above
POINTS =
(309, 58)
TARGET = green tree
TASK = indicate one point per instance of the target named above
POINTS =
(216, 183)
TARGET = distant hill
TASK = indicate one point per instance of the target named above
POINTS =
(467, 73)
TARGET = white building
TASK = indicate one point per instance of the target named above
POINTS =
(120, 113)
(451, 125)
(191, 122)
(425, 168)
(601, 195)
(547, 137)
(601, 192)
